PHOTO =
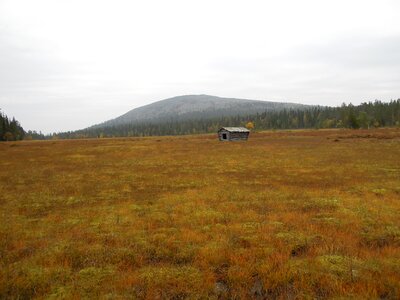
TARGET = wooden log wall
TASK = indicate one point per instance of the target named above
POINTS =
(233, 136)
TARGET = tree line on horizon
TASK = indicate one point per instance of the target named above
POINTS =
(10, 129)
(366, 115)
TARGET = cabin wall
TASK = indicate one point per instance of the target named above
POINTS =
(233, 136)
(237, 136)
(220, 135)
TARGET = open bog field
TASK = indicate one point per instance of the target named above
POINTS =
(286, 215)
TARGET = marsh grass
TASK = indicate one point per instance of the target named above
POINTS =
(288, 214)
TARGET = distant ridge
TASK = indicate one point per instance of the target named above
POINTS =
(193, 114)
(194, 107)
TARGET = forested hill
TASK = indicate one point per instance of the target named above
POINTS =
(194, 107)
(366, 115)
(10, 129)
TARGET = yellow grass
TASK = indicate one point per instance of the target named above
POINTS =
(301, 214)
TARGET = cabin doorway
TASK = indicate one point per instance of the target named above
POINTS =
(224, 136)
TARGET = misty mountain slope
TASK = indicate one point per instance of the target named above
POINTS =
(196, 107)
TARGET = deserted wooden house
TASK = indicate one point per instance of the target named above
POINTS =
(233, 134)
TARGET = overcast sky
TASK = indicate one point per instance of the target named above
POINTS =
(66, 65)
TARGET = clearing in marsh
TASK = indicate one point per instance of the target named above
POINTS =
(301, 214)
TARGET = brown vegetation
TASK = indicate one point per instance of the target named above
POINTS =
(291, 214)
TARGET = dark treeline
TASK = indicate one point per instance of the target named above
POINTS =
(34, 135)
(366, 115)
(10, 129)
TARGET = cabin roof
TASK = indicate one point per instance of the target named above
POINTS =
(234, 129)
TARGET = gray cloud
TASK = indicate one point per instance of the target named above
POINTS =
(347, 69)
(25, 65)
